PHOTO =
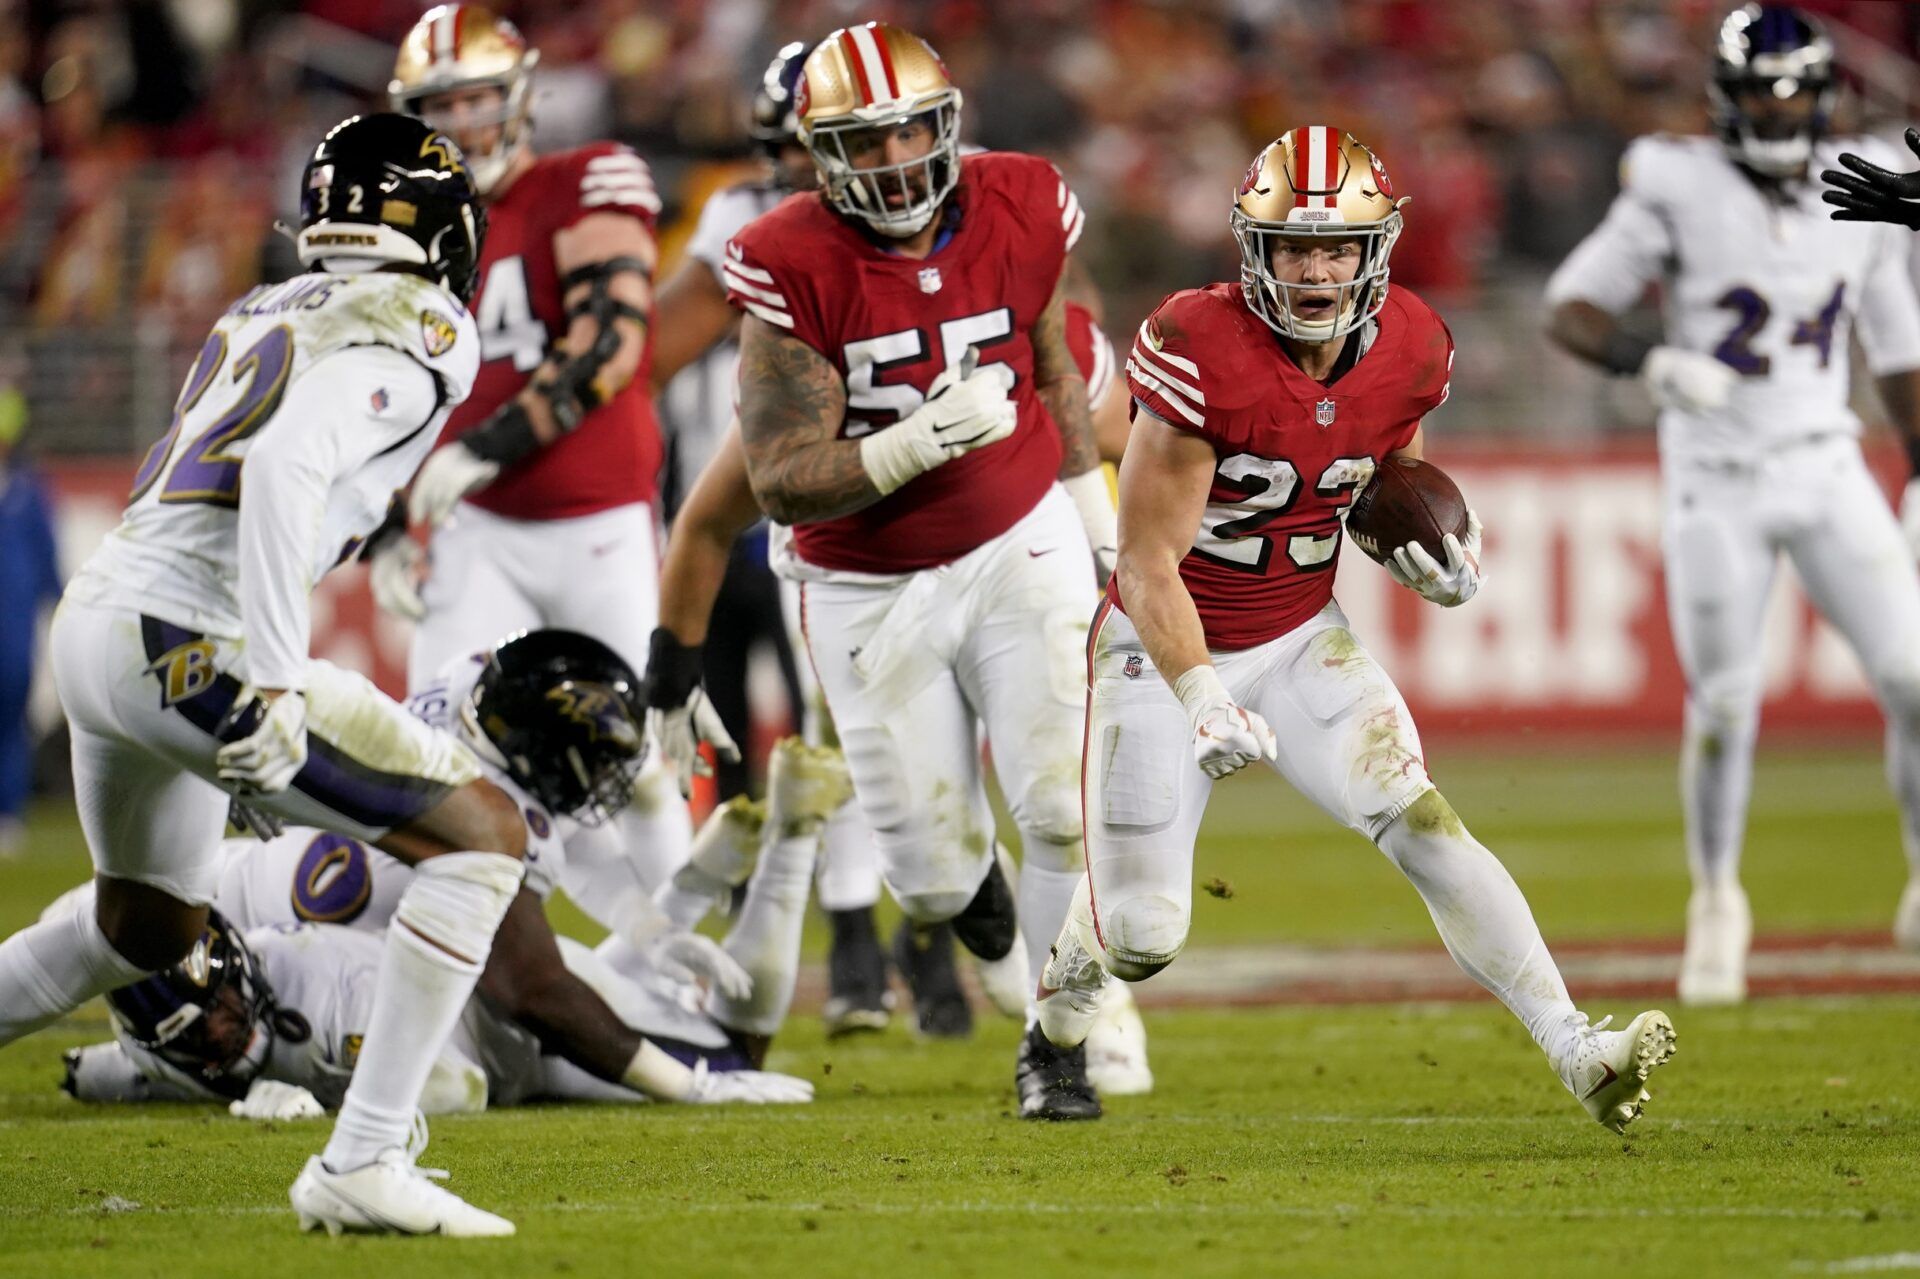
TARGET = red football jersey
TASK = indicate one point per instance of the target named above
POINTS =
(891, 324)
(1091, 352)
(613, 457)
(1292, 452)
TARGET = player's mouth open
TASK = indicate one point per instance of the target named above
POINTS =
(1313, 306)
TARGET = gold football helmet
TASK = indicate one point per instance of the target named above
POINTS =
(463, 46)
(1315, 182)
(874, 77)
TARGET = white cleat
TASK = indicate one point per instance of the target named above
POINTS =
(806, 785)
(1070, 992)
(1906, 924)
(1607, 1069)
(1117, 1046)
(1719, 928)
(388, 1196)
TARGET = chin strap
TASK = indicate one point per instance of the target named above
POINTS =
(576, 387)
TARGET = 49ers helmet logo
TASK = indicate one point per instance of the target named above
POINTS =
(1380, 178)
(1251, 182)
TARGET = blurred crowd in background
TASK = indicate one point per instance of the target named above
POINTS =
(147, 145)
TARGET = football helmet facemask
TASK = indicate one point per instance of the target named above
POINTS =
(563, 714)
(209, 1016)
(1780, 52)
(877, 77)
(385, 188)
(1315, 183)
(464, 46)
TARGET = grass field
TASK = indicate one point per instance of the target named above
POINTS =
(1387, 1139)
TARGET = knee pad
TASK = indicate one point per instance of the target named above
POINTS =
(933, 907)
(455, 901)
(1726, 704)
(1048, 812)
(1137, 936)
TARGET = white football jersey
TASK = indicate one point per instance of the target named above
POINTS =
(176, 552)
(1766, 283)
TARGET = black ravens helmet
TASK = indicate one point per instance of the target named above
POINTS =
(566, 714)
(775, 124)
(209, 1016)
(391, 189)
(1773, 87)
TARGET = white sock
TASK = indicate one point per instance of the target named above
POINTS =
(435, 948)
(1483, 918)
(765, 940)
(1903, 775)
(1044, 895)
(50, 968)
(849, 862)
(1716, 778)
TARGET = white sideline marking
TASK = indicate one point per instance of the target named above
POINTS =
(1866, 1265)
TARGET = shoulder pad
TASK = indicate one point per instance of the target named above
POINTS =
(411, 315)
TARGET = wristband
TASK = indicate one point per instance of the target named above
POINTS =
(1095, 504)
(1625, 353)
(1200, 690)
(673, 671)
(659, 1076)
(506, 437)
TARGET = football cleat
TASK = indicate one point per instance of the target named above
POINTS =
(857, 996)
(1070, 991)
(924, 957)
(1053, 1081)
(805, 786)
(1719, 926)
(388, 1196)
(1117, 1046)
(1906, 924)
(1607, 1069)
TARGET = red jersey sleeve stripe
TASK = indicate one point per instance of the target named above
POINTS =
(771, 316)
(1161, 394)
(768, 295)
(1100, 376)
(736, 261)
(1145, 359)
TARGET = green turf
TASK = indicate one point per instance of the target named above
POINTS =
(1784, 1139)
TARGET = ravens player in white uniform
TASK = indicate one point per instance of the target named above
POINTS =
(181, 651)
(1759, 448)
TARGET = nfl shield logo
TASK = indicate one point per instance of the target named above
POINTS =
(1131, 667)
(1323, 413)
(929, 279)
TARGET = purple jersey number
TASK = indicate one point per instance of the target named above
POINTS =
(206, 472)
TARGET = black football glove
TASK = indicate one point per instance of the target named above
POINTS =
(1876, 194)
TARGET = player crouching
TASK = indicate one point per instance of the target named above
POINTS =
(1263, 409)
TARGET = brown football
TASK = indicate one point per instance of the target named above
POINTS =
(1407, 501)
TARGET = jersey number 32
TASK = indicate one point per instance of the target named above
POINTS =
(205, 471)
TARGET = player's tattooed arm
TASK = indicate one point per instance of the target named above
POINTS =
(792, 405)
(1057, 380)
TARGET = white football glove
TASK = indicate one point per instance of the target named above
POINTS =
(687, 958)
(1226, 737)
(394, 569)
(271, 1099)
(1910, 515)
(1688, 380)
(678, 732)
(966, 408)
(450, 473)
(266, 761)
(751, 1087)
(1414, 567)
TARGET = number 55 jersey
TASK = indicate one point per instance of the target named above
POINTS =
(892, 324)
(1758, 277)
(176, 553)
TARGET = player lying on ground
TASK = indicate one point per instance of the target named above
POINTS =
(181, 651)
(1758, 444)
(275, 1029)
(1262, 410)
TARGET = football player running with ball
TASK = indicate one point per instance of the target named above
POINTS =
(181, 653)
(1262, 409)
(910, 405)
(540, 497)
(1758, 445)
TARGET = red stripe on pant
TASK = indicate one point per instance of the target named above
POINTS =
(1100, 617)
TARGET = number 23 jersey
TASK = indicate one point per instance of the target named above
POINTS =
(891, 324)
(1290, 453)
(1764, 282)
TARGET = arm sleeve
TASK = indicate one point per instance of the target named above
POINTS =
(1629, 250)
(1889, 319)
(325, 427)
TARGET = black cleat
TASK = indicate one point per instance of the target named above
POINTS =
(924, 957)
(858, 1000)
(1053, 1081)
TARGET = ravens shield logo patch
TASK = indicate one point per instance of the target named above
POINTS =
(437, 331)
